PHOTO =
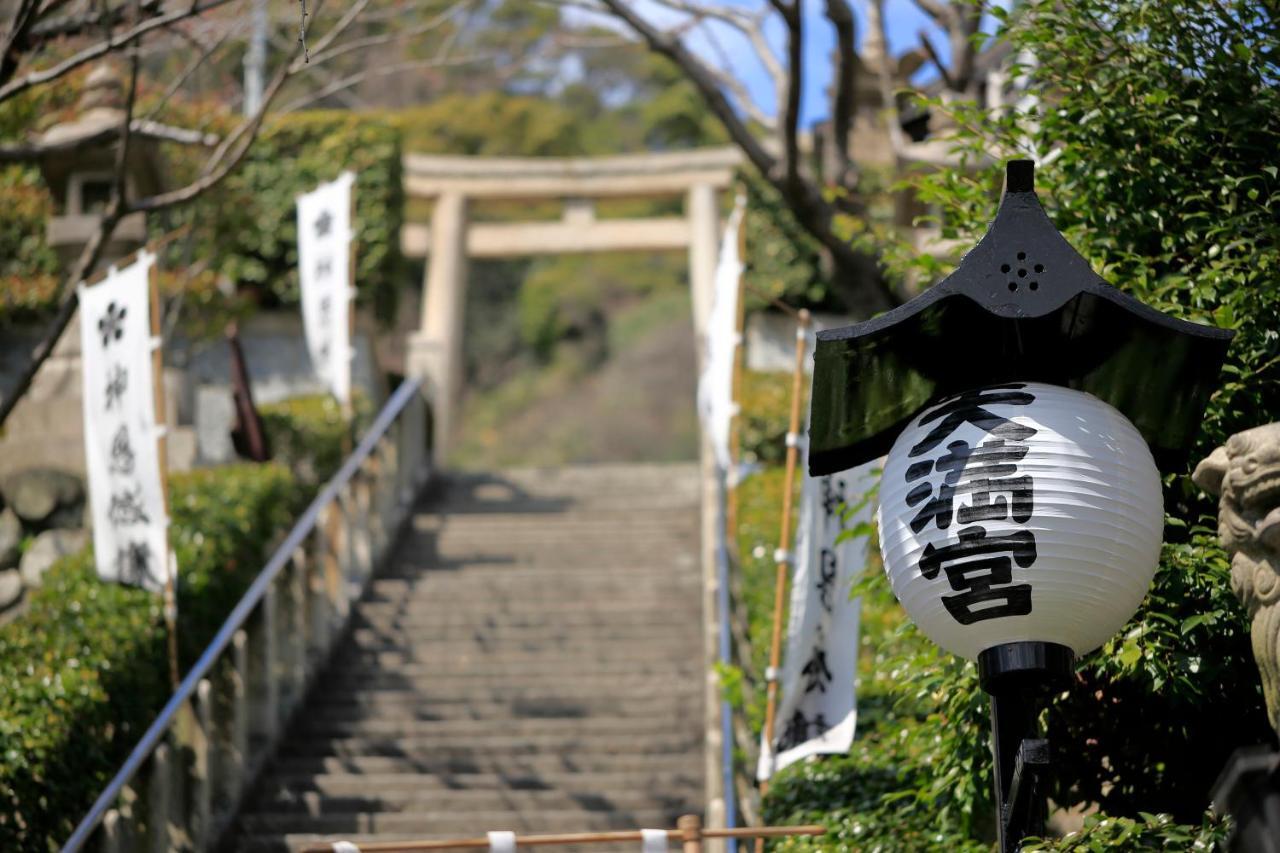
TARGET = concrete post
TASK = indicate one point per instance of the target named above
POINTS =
(435, 351)
(704, 249)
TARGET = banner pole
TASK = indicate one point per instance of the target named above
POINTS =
(782, 556)
(157, 378)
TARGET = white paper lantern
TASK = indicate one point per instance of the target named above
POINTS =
(1020, 512)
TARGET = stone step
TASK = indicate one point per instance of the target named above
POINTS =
(493, 744)
(412, 727)
(358, 784)
(379, 800)
(549, 612)
(420, 676)
(610, 655)
(461, 763)
(468, 692)
(430, 624)
(466, 824)
(529, 659)
(498, 637)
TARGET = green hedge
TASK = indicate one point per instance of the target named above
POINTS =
(293, 154)
(84, 671)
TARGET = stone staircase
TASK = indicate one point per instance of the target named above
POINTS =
(529, 660)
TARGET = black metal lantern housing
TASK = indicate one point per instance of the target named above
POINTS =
(1022, 307)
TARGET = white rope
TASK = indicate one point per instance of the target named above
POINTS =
(653, 841)
(502, 842)
(782, 555)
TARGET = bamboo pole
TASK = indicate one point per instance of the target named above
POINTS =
(691, 833)
(162, 443)
(783, 558)
(683, 835)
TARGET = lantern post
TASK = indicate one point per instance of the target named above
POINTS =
(1026, 408)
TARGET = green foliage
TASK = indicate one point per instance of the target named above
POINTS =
(247, 226)
(1163, 118)
(567, 298)
(309, 435)
(1146, 832)
(27, 263)
(782, 260)
(84, 671)
(765, 400)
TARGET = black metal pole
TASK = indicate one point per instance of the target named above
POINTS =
(1019, 676)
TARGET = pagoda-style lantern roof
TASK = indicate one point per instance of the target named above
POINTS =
(1023, 305)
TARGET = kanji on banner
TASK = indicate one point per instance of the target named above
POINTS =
(120, 432)
(324, 263)
(818, 712)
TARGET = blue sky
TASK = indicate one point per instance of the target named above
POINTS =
(903, 19)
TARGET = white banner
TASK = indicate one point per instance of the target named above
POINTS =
(120, 433)
(715, 385)
(818, 711)
(324, 267)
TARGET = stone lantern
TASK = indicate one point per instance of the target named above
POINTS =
(79, 168)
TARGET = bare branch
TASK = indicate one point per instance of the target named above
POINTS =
(842, 99)
(320, 54)
(49, 28)
(735, 85)
(102, 48)
(789, 103)
(932, 52)
(751, 26)
(897, 139)
(354, 79)
(940, 12)
(701, 77)
(24, 17)
(192, 67)
(89, 256)
(964, 49)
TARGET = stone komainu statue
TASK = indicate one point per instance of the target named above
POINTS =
(1245, 473)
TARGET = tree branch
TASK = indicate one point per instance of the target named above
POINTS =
(64, 26)
(843, 92)
(353, 79)
(24, 18)
(89, 255)
(789, 100)
(940, 12)
(102, 48)
(701, 77)
(932, 52)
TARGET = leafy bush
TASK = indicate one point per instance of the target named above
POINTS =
(84, 671)
(765, 399)
(309, 435)
(293, 154)
(1164, 119)
(28, 264)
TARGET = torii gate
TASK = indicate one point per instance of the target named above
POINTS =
(435, 349)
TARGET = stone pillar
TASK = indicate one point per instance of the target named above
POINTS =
(435, 351)
(704, 250)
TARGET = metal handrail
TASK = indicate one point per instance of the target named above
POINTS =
(239, 615)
